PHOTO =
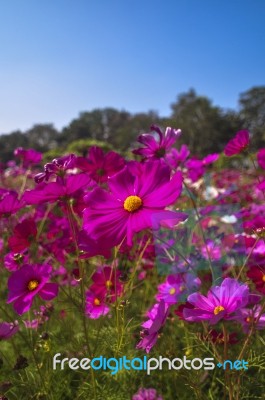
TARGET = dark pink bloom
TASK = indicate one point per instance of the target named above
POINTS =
(106, 283)
(95, 305)
(261, 158)
(257, 275)
(147, 394)
(178, 157)
(8, 329)
(220, 302)
(100, 166)
(24, 233)
(27, 282)
(90, 247)
(211, 158)
(238, 144)
(157, 318)
(13, 261)
(157, 149)
(195, 168)
(29, 156)
(218, 337)
(136, 202)
(9, 204)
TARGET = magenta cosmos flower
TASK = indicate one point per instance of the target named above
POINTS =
(157, 318)
(238, 144)
(106, 283)
(100, 166)
(27, 282)
(220, 302)
(261, 158)
(9, 204)
(29, 156)
(157, 149)
(95, 305)
(136, 201)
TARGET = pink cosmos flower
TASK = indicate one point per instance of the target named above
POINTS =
(178, 157)
(9, 204)
(157, 318)
(27, 282)
(24, 233)
(57, 167)
(100, 166)
(135, 202)
(157, 149)
(8, 329)
(147, 394)
(238, 144)
(220, 302)
(106, 283)
(257, 275)
(95, 305)
(29, 156)
(13, 261)
(247, 317)
(261, 158)
(196, 168)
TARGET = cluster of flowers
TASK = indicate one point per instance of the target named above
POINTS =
(102, 205)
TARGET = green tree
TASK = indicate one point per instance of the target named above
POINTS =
(252, 113)
(205, 128)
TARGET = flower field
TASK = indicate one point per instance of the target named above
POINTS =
(158, 258)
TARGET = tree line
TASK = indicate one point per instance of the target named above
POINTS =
(205, 128)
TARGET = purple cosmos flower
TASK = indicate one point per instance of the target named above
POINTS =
(220, 302)
(136, 202)
(157, 318)
(238, 144)
(157, 149)
(95, 306)
(146, 394)
(27, 282)
(8, 329)
(176, 286)
(247, 317)
(100, 166)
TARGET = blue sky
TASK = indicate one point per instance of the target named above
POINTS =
(60, 57)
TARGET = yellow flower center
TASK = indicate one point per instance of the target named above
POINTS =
(263, 278)
(172, 291)
(96, 302)
(182, 288)
(32, 285)
(132, 203)
(248, 320)
(218, 309)
(108, 284)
